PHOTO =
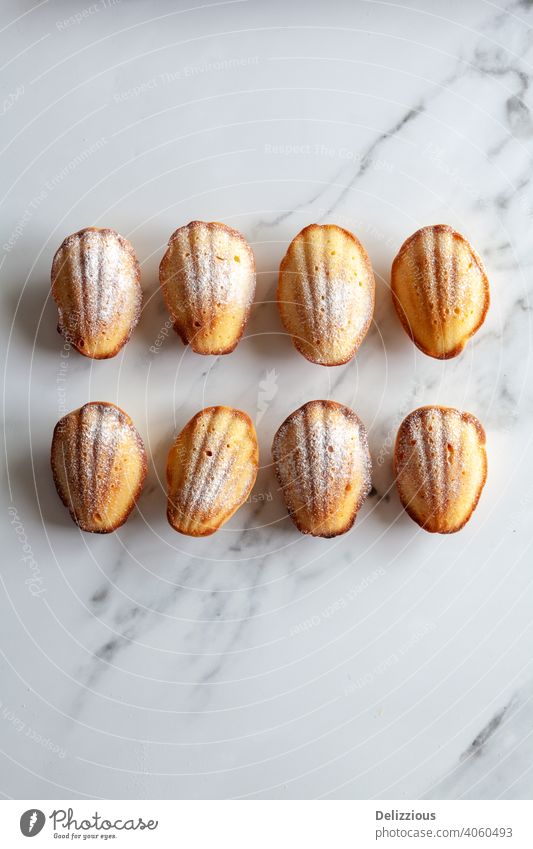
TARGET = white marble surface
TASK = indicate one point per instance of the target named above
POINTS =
(259, 663)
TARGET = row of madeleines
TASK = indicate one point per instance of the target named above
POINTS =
(326, 302)
(320, 455)
(325, 291)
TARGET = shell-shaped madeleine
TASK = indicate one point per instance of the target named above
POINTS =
(326, 293)
(96, 286)
(99, 465)
(207, 277)
(323, 466)
(440, 290)
(441, 467)
(211, 469)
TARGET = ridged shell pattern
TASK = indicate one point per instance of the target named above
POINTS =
(440, 290)
(99, 465)
(326, 293)
(208, 280)
(323, 465)
(212, 467)
(441, 466)
(95, 283)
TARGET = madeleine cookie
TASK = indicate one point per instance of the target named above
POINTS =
(326, 293)
(96, 286)
(440, 290)
(99, 466)
(323, 466)
(207, 276)
(211, 469)
(440, 466)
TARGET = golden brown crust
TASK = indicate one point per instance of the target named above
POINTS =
(326, 304)
(96, 286)
(323, 466)
(211, 469)
(207, 277)
(99, 465)
(440, 464)
(448, 299)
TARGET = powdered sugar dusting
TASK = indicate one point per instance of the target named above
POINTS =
(216, 460)
(84, 450)
(427, 442)
(208, 269)
(321, 453)
(95, 284)
(440, 288)
(326, 293)
(435, 463)
(215, 267)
